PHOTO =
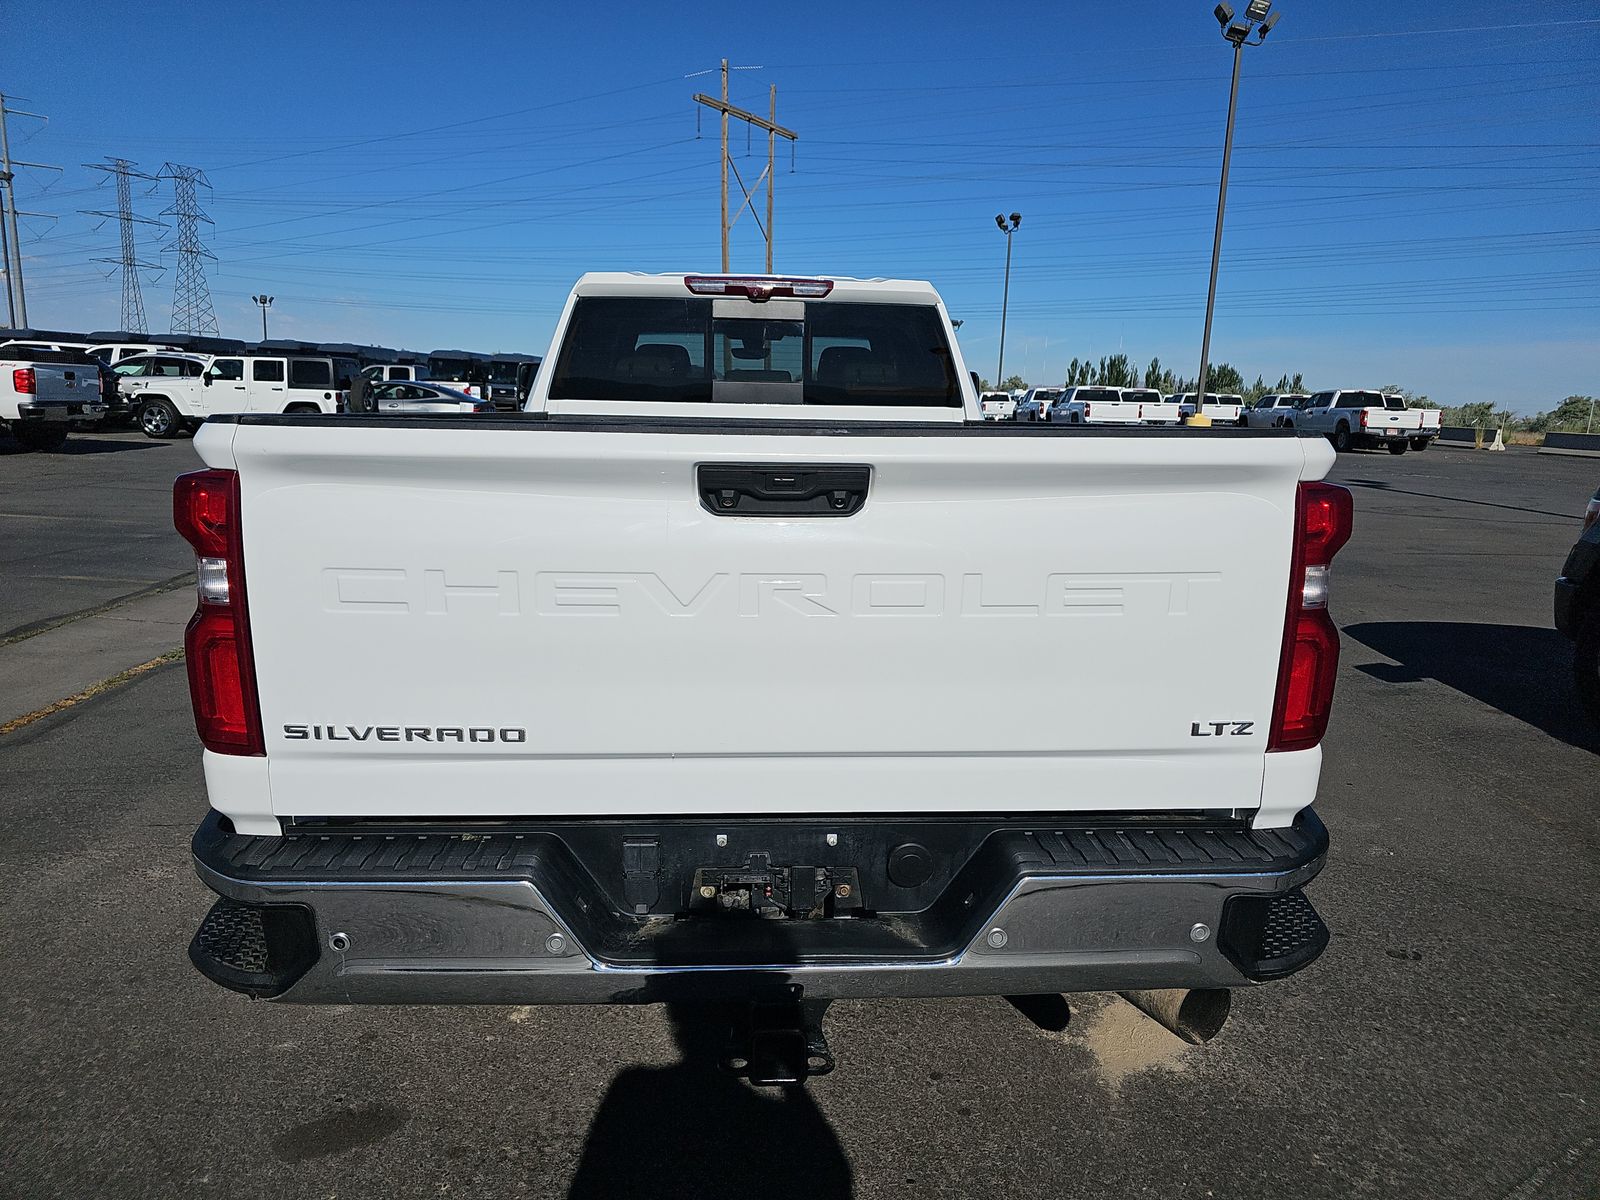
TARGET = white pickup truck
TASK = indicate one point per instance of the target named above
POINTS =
(1354, 420)
(1225, 408)
(44, 396)
(997, 406)
(563, 703)
(1428, 420)
(1093, 406)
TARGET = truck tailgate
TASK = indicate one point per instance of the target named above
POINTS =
(507, 617)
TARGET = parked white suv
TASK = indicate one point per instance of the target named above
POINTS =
(230, 383)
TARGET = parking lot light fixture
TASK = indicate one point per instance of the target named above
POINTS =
(1258, 16)
(265, 302)
(1005, 295)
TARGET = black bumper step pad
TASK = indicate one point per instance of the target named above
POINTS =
(1269, 937)
(260, 950)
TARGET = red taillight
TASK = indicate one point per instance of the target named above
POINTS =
(222, 678)
(22, 381)
(1310, 657)
(1363, 418)
(758, 287)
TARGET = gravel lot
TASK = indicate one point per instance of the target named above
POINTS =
(1446, 1045)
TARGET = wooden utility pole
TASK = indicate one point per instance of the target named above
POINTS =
(774, 132)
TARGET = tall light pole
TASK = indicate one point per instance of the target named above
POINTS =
(1005, 296)
(265, 302)
(1256, 19)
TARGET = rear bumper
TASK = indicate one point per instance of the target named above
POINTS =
(70, 413)
(1372, 438)
(515, 917)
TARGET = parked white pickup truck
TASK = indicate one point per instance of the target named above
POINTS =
(44, 396)
(1428, 420)
(556, 706)
(1224, 408)
(1094, 406)
(997, 406)
(1354, 420)
(1153, 409)
(1275, 410)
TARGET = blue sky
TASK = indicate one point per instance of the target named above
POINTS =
(1415, 198)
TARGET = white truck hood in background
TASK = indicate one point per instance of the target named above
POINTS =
(535, 619)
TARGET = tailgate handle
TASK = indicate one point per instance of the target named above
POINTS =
(783, 489)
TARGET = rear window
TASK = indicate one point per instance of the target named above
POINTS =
(1143, 397)
(1394, 403)
(695, 350)
(310, 373)
(1098, 395)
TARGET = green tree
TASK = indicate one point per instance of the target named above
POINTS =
(1118, 371)
(1478, 416)
(1013, 383)
(1152, 374)
(1573, 415)
(1223, 378)
(1256, 390)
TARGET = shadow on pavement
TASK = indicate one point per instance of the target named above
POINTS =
(694, 1130)
(1523, 671)
(78, 445)
(1382, 485)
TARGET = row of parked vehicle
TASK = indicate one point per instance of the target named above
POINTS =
(52, 384)
(1351, 419)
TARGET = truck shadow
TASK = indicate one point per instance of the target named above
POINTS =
(694, 1130)
(1383, 485)
(1524, 671)
(78, 445)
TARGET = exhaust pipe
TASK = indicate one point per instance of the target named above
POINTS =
(1194, 1014)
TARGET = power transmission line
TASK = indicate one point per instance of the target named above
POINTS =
(774, 132)
(191, 298)
(133, 318)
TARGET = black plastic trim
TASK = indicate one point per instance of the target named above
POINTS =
(260, 950)
(745, 425)
(589, 873)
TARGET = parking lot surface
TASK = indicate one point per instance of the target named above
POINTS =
(87, 526)
(1446, 1045)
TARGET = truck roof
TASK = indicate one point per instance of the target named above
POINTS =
(673, 285)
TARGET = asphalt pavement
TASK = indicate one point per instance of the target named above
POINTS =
(1446, 1045)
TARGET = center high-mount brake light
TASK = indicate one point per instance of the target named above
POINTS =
(222, 676)
(22, 381)
(758, 287)
(1310, 658)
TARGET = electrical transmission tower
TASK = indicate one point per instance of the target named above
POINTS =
(191, 298)
(774, 132)
(10, 240)
(132, 299)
